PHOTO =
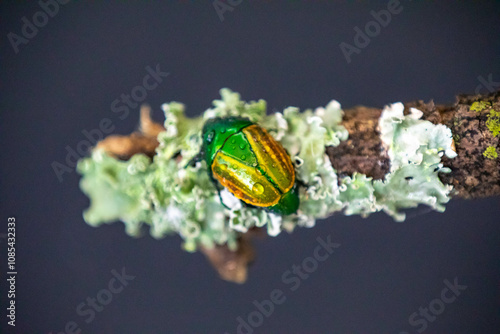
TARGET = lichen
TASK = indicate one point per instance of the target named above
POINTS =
(493, 122)
(493, 118)
(116, 190)
(479, 106)
(490, 153)
(415, 148)
(172, 197)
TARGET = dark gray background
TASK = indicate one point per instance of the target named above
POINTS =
(65, 79)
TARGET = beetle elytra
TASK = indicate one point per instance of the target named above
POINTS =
(250, 163)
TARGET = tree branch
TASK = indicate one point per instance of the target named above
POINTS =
(473, 174)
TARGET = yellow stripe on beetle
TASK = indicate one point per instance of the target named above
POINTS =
(244, 181)
(271, 157)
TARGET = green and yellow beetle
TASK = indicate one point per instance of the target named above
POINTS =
(250, 163)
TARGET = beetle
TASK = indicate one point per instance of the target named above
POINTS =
(245, 159)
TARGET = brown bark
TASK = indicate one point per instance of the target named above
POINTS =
(472, 176)
(143, 141)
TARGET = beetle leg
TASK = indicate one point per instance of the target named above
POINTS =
(194, 160)
(217, 186)
(301, 183)
(221, 201)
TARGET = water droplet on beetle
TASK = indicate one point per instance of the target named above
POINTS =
(210, 136)
(223, 167)
(243, 157)
(242, 146)
(223, 131)
(258, 188)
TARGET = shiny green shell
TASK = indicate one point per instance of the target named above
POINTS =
(250, 163)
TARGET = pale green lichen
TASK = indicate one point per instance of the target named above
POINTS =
(490, 153)
(174, 198)
(415, 149)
